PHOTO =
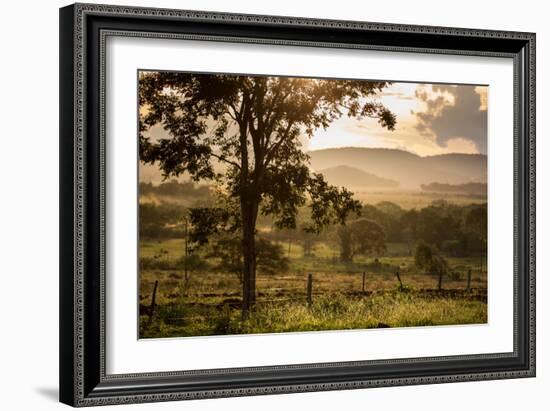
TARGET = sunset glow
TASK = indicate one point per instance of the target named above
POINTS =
(406, 100)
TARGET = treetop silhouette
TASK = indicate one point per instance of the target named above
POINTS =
(245, 133)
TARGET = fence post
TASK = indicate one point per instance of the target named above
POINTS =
(363, 286)
(439, 283)
(399, 279)
(468, 287)
(309, 289)
(153, 302)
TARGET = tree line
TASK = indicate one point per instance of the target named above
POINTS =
(452, 230)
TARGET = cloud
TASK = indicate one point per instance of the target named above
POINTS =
(398, 95)
(453, 112)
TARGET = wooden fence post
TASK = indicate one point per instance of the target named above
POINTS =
(440, 281)
(363, 286)
(399, 279)
(153, 302)
(309, 289)
(468, 286)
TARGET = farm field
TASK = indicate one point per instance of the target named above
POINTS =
(208, 303)
(409, 199)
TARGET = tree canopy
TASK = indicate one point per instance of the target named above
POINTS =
(249, 127)
(362, 236)
(246, 132)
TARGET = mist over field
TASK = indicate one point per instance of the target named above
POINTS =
(351, 166)
(378, 175)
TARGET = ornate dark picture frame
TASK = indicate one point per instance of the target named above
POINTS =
(83, 30)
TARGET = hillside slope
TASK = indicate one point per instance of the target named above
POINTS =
(408, 169)
(351, 177)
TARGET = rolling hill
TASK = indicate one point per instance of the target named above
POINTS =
(351, 177)
(408, 169)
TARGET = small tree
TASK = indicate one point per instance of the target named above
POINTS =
(270, 256)
(361, 236)
(191, 263)
(423, 255)
(308, 240)
(157, 220)
(429, 260)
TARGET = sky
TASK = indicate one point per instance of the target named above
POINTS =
(431, 119)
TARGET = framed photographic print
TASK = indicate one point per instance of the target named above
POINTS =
(260, 205)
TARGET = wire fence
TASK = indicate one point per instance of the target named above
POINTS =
(280, 297)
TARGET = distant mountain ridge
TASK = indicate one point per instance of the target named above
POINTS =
(408, 169)
(351, 177)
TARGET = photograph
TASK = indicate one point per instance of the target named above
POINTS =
(278, 204)
(287, 201)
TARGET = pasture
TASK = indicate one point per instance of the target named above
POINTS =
(410, 199)
(208, 303)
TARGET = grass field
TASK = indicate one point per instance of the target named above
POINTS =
(209, 303)
(406, 199)
(409, 199)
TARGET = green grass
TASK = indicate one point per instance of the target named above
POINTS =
(409, 199)
(330, 312)
(170, 248)
(210, 303)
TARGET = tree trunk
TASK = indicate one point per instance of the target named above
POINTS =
(249, 210)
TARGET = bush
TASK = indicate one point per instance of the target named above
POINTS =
(423, 255)
(377, 266)
(152, 263)
(428, 259)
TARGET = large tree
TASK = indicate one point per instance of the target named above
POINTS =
(245, 132)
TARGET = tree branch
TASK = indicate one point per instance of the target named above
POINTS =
(225, 160)
(273, 149)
